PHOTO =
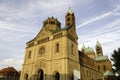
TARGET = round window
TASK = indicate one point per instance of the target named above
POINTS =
(42, 50)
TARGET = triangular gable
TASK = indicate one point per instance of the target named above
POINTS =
(44, 32)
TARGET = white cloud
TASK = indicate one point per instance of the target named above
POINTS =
(14, 31)
(35, 8)
(11, 62)
(16, 27)
(99, 17)
(110, 27)
(108, 36)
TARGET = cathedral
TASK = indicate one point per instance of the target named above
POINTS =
(53, 54)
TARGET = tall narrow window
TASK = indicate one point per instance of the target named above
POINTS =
(72, 49)
(41, 75)
(104, 68)
(57, 47)
(68, 24)
(29, 54)
(87, 72)
(98, 67)
(68, 19)
(83, 72)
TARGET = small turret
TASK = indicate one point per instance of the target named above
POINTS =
(88, 51)
(83, 48)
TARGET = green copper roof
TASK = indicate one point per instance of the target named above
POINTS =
(89, 49)
(70, 11)
(108, 73)
(97, 58)
(83, 47)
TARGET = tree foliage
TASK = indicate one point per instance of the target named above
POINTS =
(116, 60)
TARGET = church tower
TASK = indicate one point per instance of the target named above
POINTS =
(53, 53)
(70, 24)
(98, 48)
(70, 18)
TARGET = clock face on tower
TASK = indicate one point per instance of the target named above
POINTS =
(42, 50)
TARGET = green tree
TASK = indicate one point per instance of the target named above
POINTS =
(116, 60)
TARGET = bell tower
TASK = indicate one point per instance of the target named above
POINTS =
(70, 25)
(98, 48)
(70, 18)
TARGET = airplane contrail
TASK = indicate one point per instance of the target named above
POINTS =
(99, 17)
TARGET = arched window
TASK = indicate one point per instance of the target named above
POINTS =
(41, 75)
(104, 68)
(57, 47)
(98, 67)
(26, 76)
(83, 72)
(72, 49)
(68, 14)
(29, 54)
(68, 19)
(57, 76)
(68, 24)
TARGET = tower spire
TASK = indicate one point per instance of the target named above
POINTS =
(70, 10)
(83, 47)
(98, 44)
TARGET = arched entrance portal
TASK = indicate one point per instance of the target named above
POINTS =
(57, 76)
(26, 76)
(41, 75)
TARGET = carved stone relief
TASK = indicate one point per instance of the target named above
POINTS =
(40, 64)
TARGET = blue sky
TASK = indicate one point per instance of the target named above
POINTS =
(21, 20)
